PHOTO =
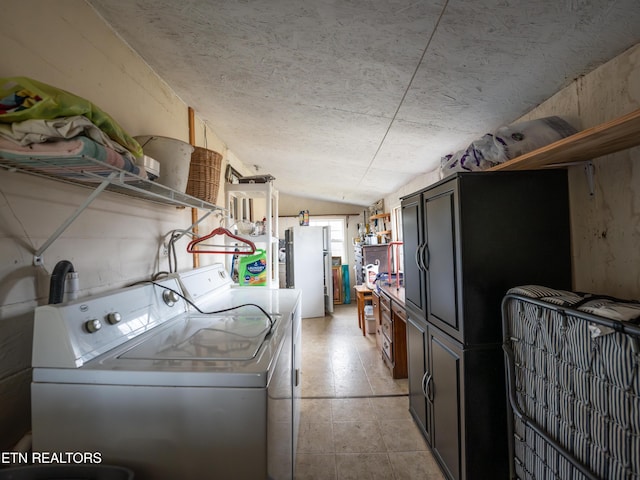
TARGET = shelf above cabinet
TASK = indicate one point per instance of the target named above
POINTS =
(609, 137)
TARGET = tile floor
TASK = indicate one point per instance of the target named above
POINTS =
(355, 421)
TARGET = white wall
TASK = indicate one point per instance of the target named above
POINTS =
(605, 227)
(114, 242)
(290, 205)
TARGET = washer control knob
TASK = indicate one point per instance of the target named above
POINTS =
(114, 317)
(93, 325)
(170, 297)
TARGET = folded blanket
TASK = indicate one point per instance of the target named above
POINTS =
(40, 130)
(22, 98)
(67, 158)
(614, 309)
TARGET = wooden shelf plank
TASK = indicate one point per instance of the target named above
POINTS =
(609, 137)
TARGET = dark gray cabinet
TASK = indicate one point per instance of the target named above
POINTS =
(433, 360)
(439, 256)
(412, 244)
(418, 361)
(454, 397)
(446, 373)
(467, 240)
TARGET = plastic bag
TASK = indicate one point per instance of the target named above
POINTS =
(22, 98)
(524, 137)
(451, 163)
(481, 154)
(505, 144)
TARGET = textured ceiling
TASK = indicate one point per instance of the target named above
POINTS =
(349, 100)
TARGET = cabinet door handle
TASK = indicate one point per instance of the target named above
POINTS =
(429, 389)
(424, 253)
(425, 256)
(424, 384)
(420, 257)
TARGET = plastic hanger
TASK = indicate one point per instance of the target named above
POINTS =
(224, 249)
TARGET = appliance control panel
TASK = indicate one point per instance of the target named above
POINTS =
(204, 283)
(70, 334)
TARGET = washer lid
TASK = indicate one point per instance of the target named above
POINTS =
(206, 337)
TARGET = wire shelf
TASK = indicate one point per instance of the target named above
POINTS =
(98, 176)
(88, 172)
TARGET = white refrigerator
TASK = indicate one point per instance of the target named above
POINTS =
(305, 268)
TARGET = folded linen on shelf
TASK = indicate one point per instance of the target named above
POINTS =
(23, 98)
(33, 131)
(67, 158)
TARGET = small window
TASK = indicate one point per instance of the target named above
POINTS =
(337, 226)
(396, 221)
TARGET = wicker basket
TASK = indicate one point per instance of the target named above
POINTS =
(204, 174)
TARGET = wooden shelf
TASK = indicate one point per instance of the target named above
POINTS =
(604, 139)
(380, 215)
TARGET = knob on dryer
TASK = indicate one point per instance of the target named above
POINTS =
(114, 317)
(93, 325)
(170, 297)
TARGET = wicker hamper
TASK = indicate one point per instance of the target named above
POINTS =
(204, 174)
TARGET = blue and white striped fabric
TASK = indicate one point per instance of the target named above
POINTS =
(579, 382)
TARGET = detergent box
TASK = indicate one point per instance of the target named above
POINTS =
(252, 269)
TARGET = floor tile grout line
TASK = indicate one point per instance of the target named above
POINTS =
(328, 397)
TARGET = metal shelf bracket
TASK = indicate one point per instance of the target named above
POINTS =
(590, 171)
(37, 258)
(73, 170)
(193, 225)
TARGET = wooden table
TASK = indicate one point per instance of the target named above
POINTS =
(362, 295)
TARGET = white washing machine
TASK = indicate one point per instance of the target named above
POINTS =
(146, 380)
